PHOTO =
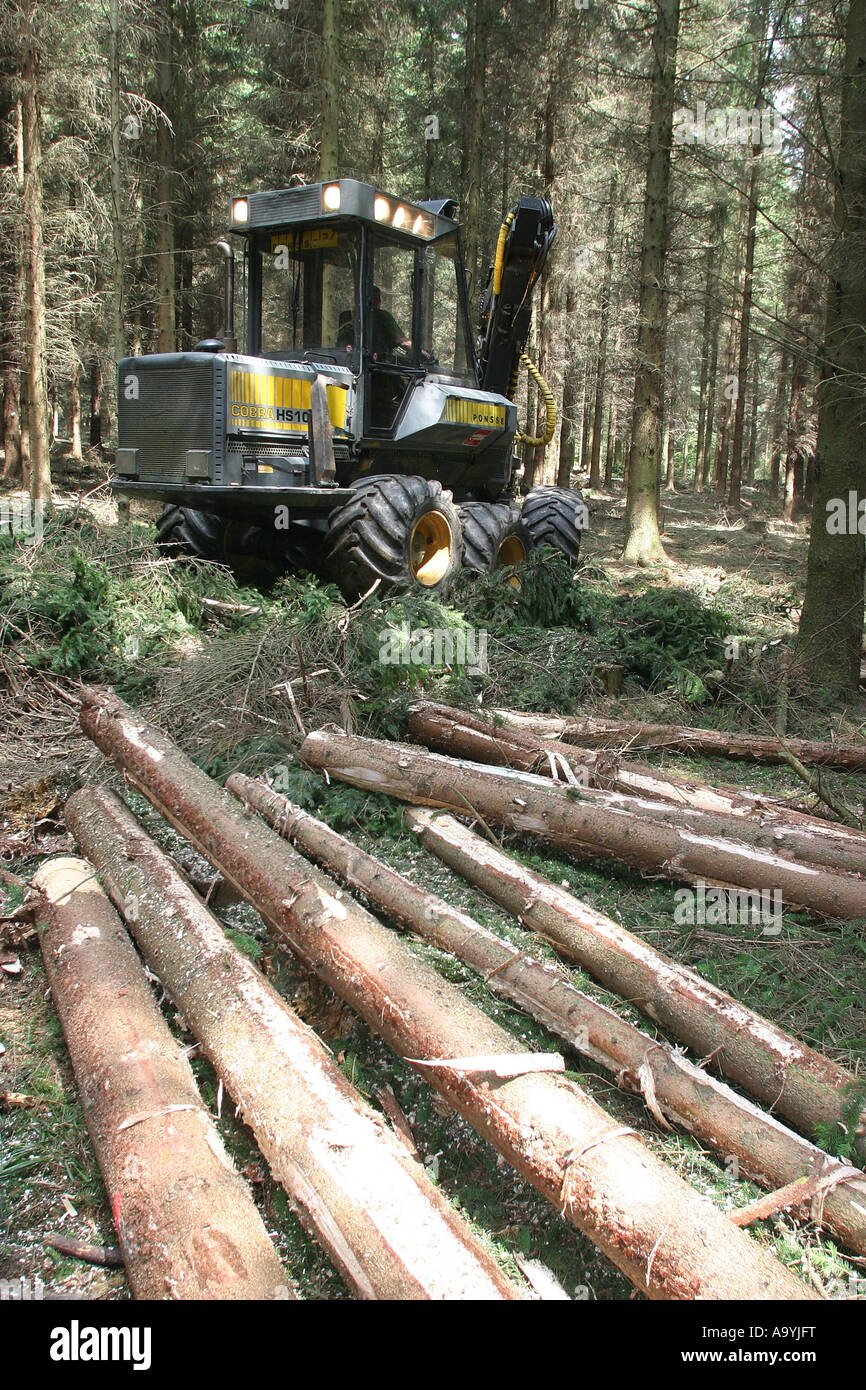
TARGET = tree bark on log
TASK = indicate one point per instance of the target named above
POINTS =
(670, 1084)
(384, 1225)
(670, 1242)
(801, 1084)
(567, 817)
(594, 732)
(766, 830)
(181, 1239)
(511, 746)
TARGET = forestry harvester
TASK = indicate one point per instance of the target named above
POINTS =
(362, 431)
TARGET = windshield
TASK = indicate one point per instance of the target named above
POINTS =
(310, 293)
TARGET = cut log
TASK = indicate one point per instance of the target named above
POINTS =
(466, 734)
(564, 816)
(593, 732)
(671, 1085)
(794, 1080)
(199, 1239)
(385, 1226)
(764, 830)
(669, 1241)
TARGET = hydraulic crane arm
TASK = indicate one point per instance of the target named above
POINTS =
(525, 239)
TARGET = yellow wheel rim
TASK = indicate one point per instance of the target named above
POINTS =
(511, 552)
(430, 548)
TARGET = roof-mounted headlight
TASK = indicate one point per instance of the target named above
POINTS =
(331, 198)
(240, 212)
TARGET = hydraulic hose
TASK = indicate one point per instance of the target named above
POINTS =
(500, 252)
(549, 408)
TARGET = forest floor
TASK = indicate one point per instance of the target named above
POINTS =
(96, 602)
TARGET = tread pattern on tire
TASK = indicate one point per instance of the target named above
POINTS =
(485, 526)
(368, 536)
(254, 554)
(556, 516)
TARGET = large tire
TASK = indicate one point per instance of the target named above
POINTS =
(402, 531)
(556, 516)
(254, 554)
(493, 535)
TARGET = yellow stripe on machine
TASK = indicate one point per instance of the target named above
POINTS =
(279, 403)
(462, 410)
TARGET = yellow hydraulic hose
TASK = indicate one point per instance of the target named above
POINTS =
(549, 408)
(500, 252)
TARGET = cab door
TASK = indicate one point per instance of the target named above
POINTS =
(392, 332)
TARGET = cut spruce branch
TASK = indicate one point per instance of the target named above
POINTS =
(201, 1239)
(108, 1256)
(566, 817)
(764, 830)
(383, 1223)
(466, 734)
(802, 1085)
(672, 1087)
(669, 1241)
(594, 732)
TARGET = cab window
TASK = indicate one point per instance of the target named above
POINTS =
(445, 343)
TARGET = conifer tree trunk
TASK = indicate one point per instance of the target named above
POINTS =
(708, 328)
(165, 236)
(735, 479)
(831, 627)
(34, 269)
(569, 402)
(10, 262)
(476, 83)
(117, 280)
(329, 147)
(601, 373)
(760, 60)
(642, 539)
(75, 413)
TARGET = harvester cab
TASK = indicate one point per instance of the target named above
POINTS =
(358, 411)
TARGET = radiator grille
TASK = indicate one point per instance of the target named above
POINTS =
(251, 448)
(266, 209)
(174, 412)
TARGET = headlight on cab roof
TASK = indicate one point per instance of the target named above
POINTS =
(240, 211)
(331, 197)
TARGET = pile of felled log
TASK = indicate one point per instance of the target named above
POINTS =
(356, 1183)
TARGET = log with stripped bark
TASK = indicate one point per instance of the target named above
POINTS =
(467, 734)
(594, 732)
(764, 829)
(385, 1226)
(669, 1241)
(565, 817)
(793, 1079)
(180, 1238)
(672, 1086)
